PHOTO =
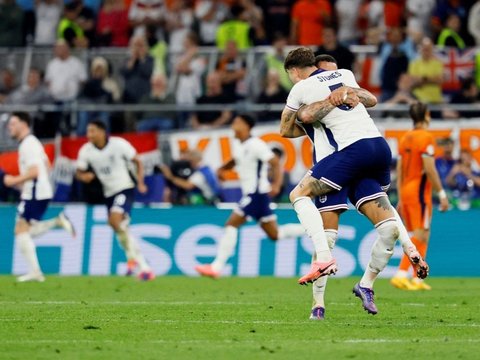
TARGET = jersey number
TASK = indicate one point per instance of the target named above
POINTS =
(343, 107)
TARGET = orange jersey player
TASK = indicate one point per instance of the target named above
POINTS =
(416, 176)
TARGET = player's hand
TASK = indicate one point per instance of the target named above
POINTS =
(274, 191)
(338, 96)
(9, 180)
(444, 204)
(352, 99)
(142, 188)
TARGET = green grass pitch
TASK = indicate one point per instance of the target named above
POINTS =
(233, 318)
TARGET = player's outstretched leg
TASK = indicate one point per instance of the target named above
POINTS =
(41, 227)
(226, 248)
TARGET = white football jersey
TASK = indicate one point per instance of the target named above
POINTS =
(31, 153)
(343, 125)
(110, 164)
(251, 160)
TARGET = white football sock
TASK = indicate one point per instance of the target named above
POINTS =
(123, 239)
(312, 222)
(41, 227)
(289, 231)
(132, 251)
(320, 284)
(404, 238)
(28, 250)
(382, 251)
(226, 248)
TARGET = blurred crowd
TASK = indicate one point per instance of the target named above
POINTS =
(165, 64)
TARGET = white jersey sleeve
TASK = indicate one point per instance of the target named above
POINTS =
(126, 148)
(262, 151)
(82, 159)
(295, 98)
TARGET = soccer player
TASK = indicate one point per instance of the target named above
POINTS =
(359, 152)
(109, 158)
(416, 175)
(332, 205)
(36, 194)
(252, 157)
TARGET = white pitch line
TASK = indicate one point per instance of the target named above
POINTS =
(443, 340)
(234, 322)
(86, 302)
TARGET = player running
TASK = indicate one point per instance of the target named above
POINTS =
(252, 157)
(416, 175)
(359, 152)
(108, 158)
(35, 196)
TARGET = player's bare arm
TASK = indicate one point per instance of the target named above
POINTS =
(309, 114)
(366, 97)
(288, 126)
(84, 176)
(142, 188)
(277, 176)
(230, 164)
(30, 174)
(432, 174)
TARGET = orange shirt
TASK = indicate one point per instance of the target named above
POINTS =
(310, 15)
(415, 186)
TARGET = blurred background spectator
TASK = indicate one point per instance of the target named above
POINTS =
(464, 180)
(307, 21)
(347, 19)
(209, 14)
(100, 88)
(11, 24)
(137, 70)
(232, 70)
(345, 58)
(47, 16)
(427, 74)
(8, 83)
(159, 95)
(145, 12)
(112, 24)
(273, 93)
(213, 95)
(235, 29)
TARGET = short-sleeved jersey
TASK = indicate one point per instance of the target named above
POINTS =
(343, 125)
(110, 164)
(415, 186)
(251, 160)
(31, 153)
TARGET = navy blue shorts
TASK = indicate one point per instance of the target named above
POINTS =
(32, 209)
(335, 200)
(366, 158)
(121, 202)
(359, 193)
(256, 206)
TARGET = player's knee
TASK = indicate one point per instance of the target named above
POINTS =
(296, 193)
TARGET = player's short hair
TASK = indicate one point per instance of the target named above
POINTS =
(23, 117)
(325, 58)
(99, 124)
(278, 152)
(248, 119)
(302, 57)
(418, 111)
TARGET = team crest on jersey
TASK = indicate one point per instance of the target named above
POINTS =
(323, 199)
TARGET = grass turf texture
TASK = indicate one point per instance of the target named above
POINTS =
(233, 318)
